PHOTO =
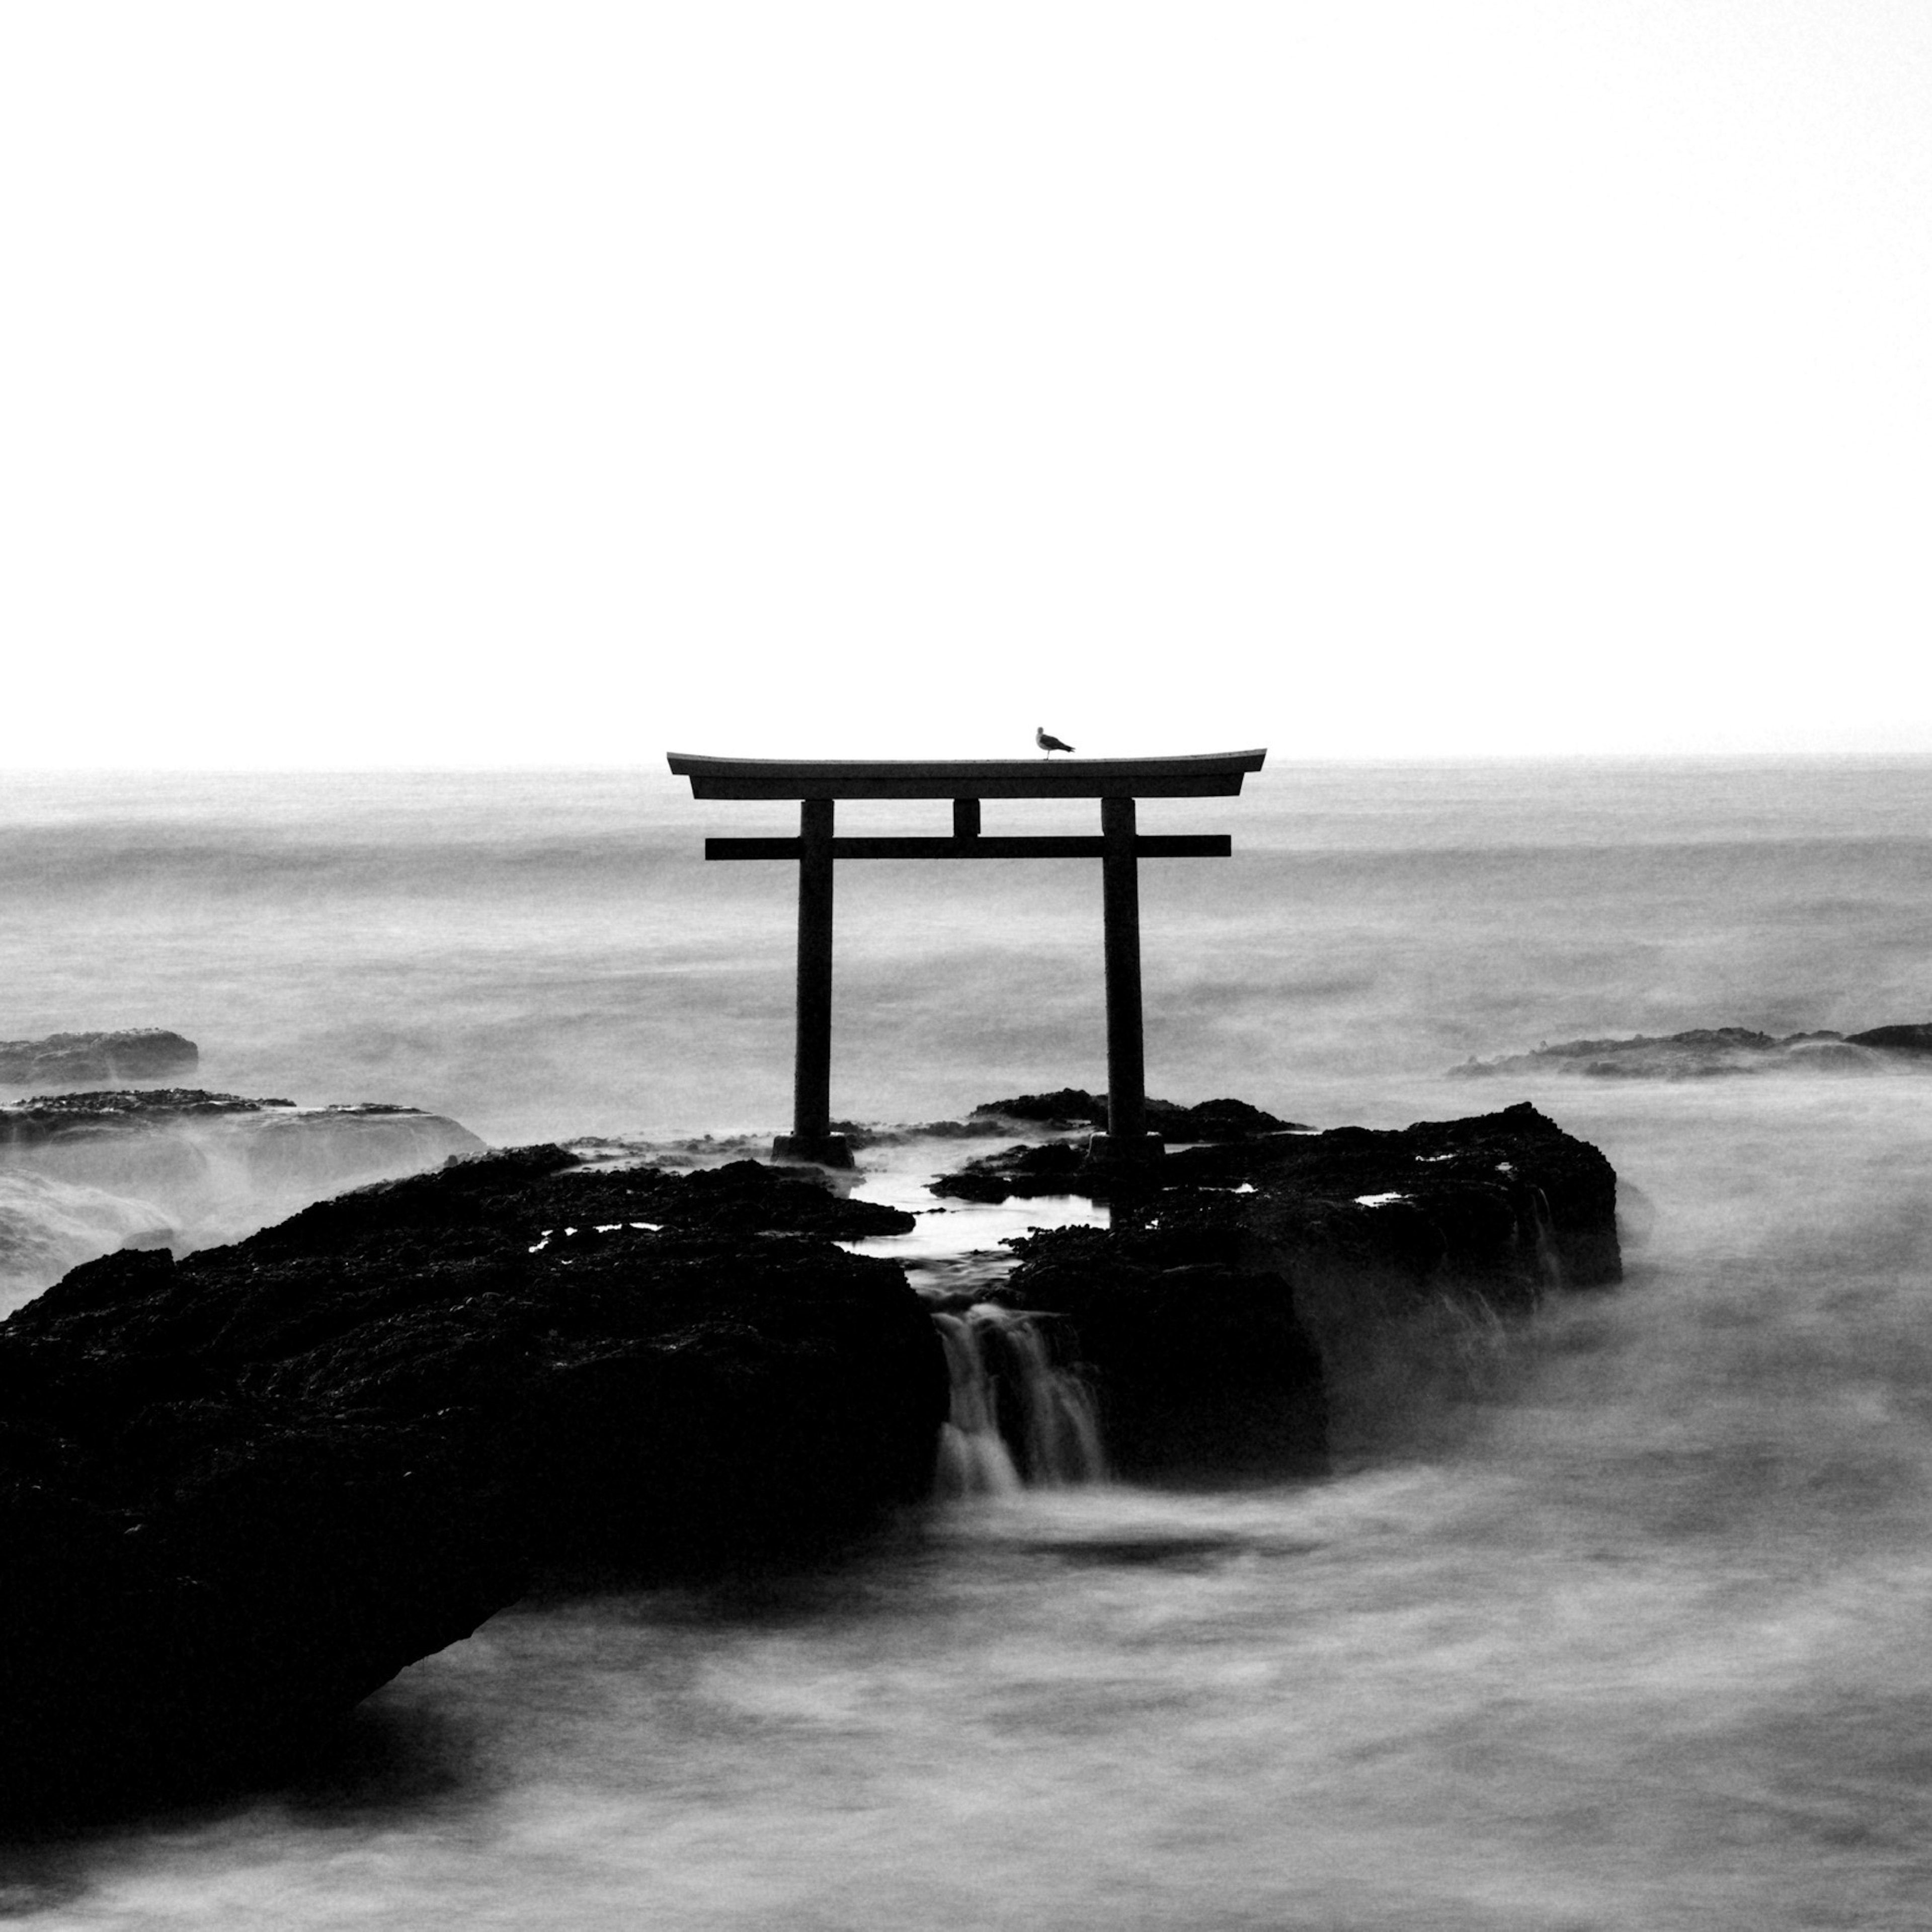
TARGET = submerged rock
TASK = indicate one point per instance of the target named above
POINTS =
(240, 1492)
(64, 1059)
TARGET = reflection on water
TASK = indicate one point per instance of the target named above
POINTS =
(949, 1230)
(1647, 1651)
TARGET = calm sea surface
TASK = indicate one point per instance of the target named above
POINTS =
(1630, 1631)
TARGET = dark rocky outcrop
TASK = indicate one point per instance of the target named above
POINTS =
(1910, 1039)
(1508, 1200)
(1072, 1110)
(64, 1059)
(548, 1189)
(1250, 1295)
(1223, 1120)
(1072, 1107)
(1028, 1172)
(1199, 1363)
(239, 1491)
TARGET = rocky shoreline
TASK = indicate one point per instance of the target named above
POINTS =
(241, 1490)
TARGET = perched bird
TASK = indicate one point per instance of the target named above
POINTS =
(1047, 742)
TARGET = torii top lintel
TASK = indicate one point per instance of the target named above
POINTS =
(1200, 775)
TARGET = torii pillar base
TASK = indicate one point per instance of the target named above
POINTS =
(813, 1149)
(1122, 1153)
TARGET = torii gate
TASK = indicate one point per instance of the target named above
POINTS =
(1116, 782)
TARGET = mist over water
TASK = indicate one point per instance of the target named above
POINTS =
(540, 954)
(1628, 1630)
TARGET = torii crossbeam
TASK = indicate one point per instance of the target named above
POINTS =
(1116, 782)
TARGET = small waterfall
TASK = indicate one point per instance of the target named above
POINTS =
(1548, 1262)
(1017, 1420)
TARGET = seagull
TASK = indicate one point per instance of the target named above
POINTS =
(1047, 742)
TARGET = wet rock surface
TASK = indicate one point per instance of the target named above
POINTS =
(62, 1059)
(1506, 1201)
(1073, 1107)
(1073, 1110)
(48, 1118)
(240, 1492)
(1023, 1172)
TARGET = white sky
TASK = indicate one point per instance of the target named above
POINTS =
(414, 383)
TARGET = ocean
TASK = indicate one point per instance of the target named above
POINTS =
(1627, 1631)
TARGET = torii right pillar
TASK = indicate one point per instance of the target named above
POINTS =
(1126, 1140)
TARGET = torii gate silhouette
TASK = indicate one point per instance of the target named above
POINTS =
(817, 784)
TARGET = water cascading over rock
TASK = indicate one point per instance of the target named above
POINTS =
(1018, 1419)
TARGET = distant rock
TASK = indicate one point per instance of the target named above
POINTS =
(1703, 1053)
(1913, 1039)
(65, 1059)
(49, 1117)
(240, 1492)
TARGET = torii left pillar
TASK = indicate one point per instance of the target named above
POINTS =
(811, 1138)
